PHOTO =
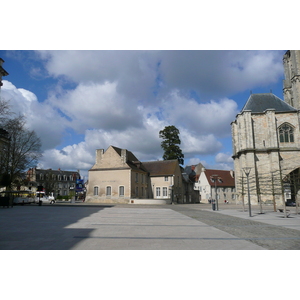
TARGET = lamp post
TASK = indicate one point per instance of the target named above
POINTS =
(215, 177)
(247, 172)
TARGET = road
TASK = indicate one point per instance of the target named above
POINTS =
(268, 236)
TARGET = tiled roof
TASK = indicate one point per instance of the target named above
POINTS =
(224, 178)
(161, 167)
(258, 103)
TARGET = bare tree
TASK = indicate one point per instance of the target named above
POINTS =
(22, 152)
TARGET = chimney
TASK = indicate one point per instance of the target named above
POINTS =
(124, 156)
(99, 153)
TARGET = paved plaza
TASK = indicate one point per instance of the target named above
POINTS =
(83, 226)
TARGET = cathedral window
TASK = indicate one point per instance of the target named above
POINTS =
(286, 134)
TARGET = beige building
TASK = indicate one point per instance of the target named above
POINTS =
(116, 177)
(166, 180)
(119, 177)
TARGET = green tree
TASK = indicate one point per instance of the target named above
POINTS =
(171, 140)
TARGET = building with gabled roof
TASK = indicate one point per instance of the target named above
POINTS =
(266, 139)
(222, 180)
(56, 182)
(116, 177)
(119, 177)
(166, 180)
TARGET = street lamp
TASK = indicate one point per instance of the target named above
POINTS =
(247, 172)
(215, 177)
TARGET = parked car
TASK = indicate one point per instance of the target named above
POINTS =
(41, 196)
(290, 203)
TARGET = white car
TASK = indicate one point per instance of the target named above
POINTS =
(40, 196)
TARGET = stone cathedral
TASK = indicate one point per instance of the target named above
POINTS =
(266, 141)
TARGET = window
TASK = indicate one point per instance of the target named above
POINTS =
(136, 177)
(137, 191)
(108, 191)
(157, 192)
(95, 191)
(286, 134)
(121, 191)
(166, 178)
(165, 192)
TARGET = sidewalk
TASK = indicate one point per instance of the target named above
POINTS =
(268, 216)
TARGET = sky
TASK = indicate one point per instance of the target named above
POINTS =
(80, 101)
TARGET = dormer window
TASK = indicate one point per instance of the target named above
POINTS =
(286, 133)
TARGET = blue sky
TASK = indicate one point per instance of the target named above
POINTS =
(80, 101)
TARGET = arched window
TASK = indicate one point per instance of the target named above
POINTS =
(286, 133)
(108, 191)
(121, 191)
(96, 190)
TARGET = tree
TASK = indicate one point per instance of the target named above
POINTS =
(21, 153)
(171, 140)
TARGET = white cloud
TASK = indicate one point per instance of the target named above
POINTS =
(40, 117)
(97, 106)
(124, 98)
(213, 117)
(224, 158)
(139, 74)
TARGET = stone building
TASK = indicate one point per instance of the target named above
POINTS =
(119, 177)
(58, 182)
(291, 83)
(266, 139)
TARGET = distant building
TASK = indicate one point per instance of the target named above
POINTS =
(2, 72)
(58, 182)
(119, 177)
(220, 181)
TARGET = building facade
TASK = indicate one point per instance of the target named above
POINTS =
(291, 83)
(116, 177)
(58, 182)
(216, 184)
(119, 177)
(266, 140)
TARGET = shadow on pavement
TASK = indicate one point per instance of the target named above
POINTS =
(44, 227)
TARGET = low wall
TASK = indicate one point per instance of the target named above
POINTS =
(150, 201)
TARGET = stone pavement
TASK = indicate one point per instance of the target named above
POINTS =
(128, 227)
